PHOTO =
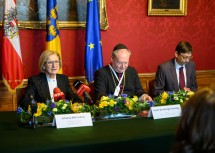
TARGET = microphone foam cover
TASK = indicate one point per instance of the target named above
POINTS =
(57, 90)
(77, 84)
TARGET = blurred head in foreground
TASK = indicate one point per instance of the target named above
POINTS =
(196, 130)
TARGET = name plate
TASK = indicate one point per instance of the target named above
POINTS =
(167, 111)
(73, 120)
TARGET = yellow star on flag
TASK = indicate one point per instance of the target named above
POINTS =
(91, 46)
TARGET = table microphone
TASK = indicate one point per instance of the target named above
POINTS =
(58, 94)
(83, 90)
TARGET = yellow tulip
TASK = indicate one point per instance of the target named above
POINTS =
(112, 103)
(135, 98)
(76, 107)
(39, 113)
(103, 104)
(164, 95)
(104, 98)
(163, 101)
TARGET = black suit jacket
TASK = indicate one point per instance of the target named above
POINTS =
(166, 77)
(104, 82)
(39, 89)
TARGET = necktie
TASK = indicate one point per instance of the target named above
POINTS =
(181, 78)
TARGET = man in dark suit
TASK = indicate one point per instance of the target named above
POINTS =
(118, 78)
(168, 74)
(41, 86)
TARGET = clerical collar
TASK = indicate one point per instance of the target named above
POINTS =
(115, 73)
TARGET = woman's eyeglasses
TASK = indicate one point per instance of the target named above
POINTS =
(52, 62)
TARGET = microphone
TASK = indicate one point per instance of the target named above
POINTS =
(33, 105)
(83, 90)
(58, 95)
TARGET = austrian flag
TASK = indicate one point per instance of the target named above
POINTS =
(12, 66)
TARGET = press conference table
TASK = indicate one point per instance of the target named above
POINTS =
(126, 135)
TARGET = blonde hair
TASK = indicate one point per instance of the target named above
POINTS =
(43, 58)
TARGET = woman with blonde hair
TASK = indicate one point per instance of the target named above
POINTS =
(41, 86)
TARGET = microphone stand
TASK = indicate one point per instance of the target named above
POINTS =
(33, 104)
(87, 98)
(33, 122)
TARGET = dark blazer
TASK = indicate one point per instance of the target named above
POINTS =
(39, 89)
(166, 77)
(104, 82)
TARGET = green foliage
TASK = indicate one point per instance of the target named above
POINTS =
(106, 106)
(171, 98)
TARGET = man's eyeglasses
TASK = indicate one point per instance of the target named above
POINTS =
(186, 57)
(121, 63)
(52, 62)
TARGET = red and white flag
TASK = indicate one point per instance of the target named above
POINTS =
(12, 66)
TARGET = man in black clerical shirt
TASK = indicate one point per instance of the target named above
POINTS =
(118, 77)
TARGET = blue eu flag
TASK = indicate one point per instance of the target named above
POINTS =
(93, 48)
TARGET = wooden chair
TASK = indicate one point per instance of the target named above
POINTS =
(151, 87)
(19, 93)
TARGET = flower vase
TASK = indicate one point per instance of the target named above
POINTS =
(44, 120)
(116, 116)
(23, 120)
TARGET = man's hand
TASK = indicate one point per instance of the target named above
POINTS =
(186, 89)
(145, 97)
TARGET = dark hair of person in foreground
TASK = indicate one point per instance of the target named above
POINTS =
(196, 130)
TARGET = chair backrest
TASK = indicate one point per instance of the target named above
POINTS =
(19, 93)
(151, 87)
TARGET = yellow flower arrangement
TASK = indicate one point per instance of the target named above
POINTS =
(40, 108)
(49, 109)
(106, 106)
(170, 98)
(110, 105)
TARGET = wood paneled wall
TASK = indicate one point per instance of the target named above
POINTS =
(8, 102)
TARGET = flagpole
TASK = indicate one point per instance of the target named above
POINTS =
(52, 29)
(12, 65)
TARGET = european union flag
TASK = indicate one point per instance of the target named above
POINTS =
(52, 29)
(93, 48)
